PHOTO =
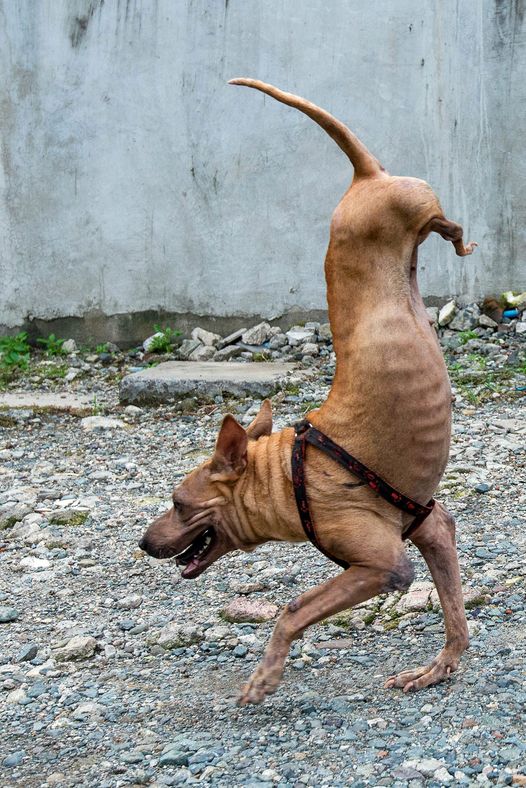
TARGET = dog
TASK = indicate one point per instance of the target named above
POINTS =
(389, 404)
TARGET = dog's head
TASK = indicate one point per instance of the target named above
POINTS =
(197, 529)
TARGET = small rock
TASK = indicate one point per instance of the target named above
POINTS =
(487, 322)
(298, 335)
(442, 776)
(206, 338)
(179, 636)
(310, 349)
(174, 758)
(447, 313)
(89, 709)
(426, 766)
(432, 313)
(8, 614)
(130, 602)
(15, 759)
(27, 653)
(13, 515)
(482, 487)
(242, 610)
(69, 346)
(32, 563)
(147, 344)
(90, 423)
(16, 696)
(133, 410)
(277, 341)
(520, 327)
(79, 647)
(256, 335)
(219, 632)
(325, 333)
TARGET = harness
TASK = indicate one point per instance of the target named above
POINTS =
(306, 433)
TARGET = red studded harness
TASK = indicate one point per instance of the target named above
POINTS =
(306, 433)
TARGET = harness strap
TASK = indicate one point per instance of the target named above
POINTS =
(306, 433)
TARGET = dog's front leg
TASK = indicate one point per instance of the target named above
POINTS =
(435, 539)
(355, 585)
(451, 231)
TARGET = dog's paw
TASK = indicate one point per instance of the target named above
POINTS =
(262, 682)
(439, 670)
(470, 248)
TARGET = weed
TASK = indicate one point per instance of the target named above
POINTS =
(96, 407)
(164, 341)
(291, 388)
(465, 336)
(477, 360)
(52, 373)
(103, 348)
(14, 352)
(52, 345)
(260, 357)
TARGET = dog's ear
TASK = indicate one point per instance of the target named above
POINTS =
(230, 455)
(262, 424)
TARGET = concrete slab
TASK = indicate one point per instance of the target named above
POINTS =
(172, 380)
(59, 401)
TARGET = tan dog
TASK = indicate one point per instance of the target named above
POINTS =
(389, 406)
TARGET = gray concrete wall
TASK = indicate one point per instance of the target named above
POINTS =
(132, 179)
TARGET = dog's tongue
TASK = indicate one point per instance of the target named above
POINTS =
(189, 568)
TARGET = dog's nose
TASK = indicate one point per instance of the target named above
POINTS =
(142, 544)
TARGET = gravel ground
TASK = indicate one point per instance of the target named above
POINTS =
(114, 672)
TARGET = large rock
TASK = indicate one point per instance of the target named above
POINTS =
(235, 336)
(243, 610)
(174, 380)
(466, 319)
(206, 337)
(59, 402)
(228, 352)
(325, 333)
(417, 598)
(202, 353)
(79, 647)
(256, 335)
(186, 348)
(447, 313)
(298, 335)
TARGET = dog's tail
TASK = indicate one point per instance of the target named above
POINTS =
(364, 163)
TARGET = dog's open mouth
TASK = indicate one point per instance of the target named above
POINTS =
(194, 556)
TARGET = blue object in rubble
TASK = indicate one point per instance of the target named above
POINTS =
(510, 313)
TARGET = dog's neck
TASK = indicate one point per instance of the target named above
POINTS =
(261, 505)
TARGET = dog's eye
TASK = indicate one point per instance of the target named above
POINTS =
(178, 506)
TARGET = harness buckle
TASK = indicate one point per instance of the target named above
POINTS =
(302, 426)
